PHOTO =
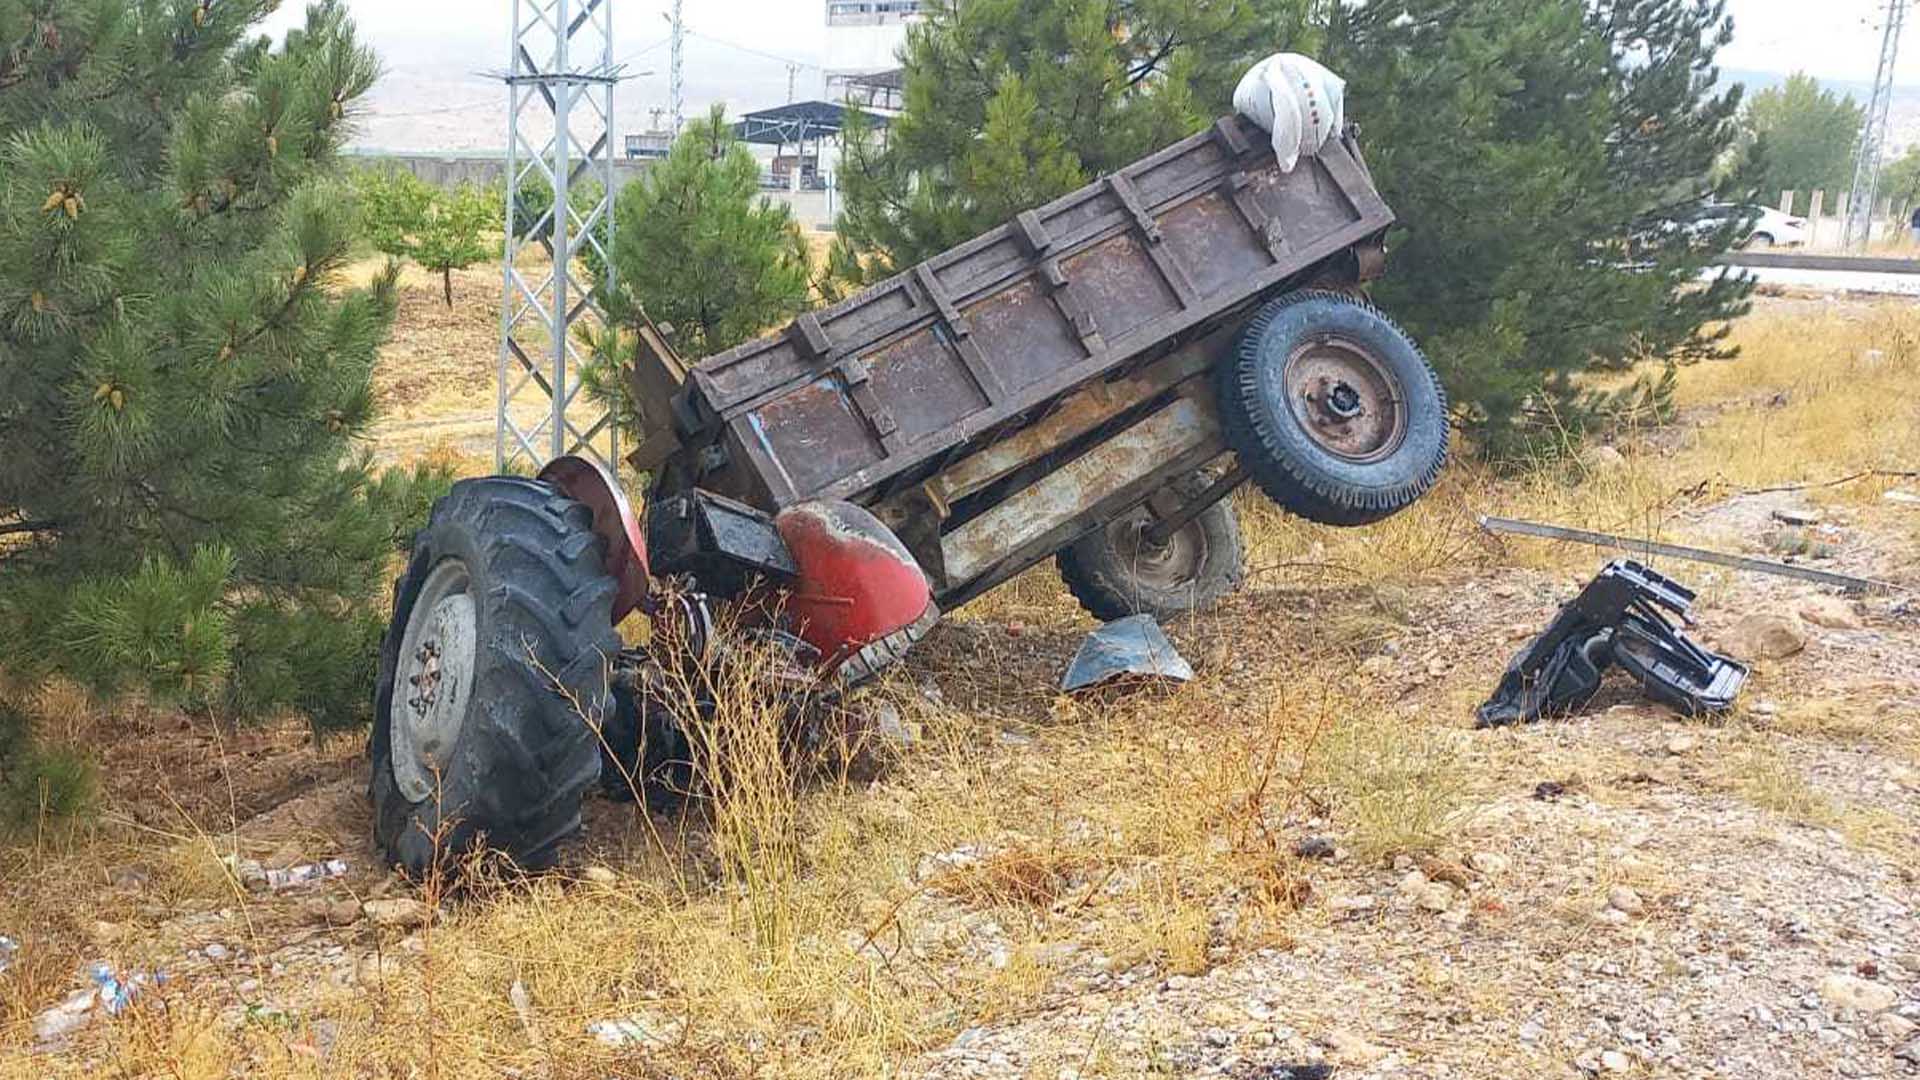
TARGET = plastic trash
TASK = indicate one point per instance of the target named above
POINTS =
(8, 947)
(1133, 646)
(110, 993)
(305, 874)
(114, 996)
(636, 1031)
(65, 1018)
(1302, 103)
(116, 993)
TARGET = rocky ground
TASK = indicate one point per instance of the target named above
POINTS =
(1631, 893)
(1626, 892)
(1629, 896)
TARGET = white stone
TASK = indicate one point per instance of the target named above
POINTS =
(397, 913)
(1350, 1049)
(1893, 1027)
(1853, 992)
(1412, 883)
(1615, 1061)
(1622, 898)
(1830, 612)
(1490, 863)
(1435, 896)
(1603, 459)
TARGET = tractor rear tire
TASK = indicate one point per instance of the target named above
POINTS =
(1113, 572)
(1333, 409)
(493, 674)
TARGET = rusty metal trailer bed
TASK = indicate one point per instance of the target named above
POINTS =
(1006, 396)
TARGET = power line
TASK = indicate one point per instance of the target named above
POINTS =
(640, 52)
(443, 110)
(787, 60)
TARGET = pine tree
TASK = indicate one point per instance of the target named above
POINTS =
(700, 248)
(1010, 103)
(1524, 145)
(1522, 142)
(183, 374)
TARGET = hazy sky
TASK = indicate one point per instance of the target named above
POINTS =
(438, 52)
(1831, 38)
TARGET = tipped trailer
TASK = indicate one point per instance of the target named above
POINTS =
(1087, 383)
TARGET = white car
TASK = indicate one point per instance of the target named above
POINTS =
(1771, 228)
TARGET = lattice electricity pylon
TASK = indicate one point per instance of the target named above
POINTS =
(1872, 144)
(563, 60)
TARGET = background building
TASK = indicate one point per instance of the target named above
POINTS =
(864, 39)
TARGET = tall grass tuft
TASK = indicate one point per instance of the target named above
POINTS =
(740, 704)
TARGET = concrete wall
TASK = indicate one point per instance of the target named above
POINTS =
(1826, 217)
(814, 210)
(449, 170)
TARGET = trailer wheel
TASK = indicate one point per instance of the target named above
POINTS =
(1333, 409)
(1115, 572)
(501, 637)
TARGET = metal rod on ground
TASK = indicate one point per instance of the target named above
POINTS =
(1691, 554)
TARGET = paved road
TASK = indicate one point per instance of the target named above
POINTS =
(1838, 281)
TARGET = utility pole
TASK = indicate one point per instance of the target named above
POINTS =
(676, 91)
(562, 73)
(793, 77)
(1872, 144)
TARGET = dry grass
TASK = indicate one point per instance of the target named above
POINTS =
(799, 923)
(1398, 784)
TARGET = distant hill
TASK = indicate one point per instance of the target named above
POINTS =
(454, 107)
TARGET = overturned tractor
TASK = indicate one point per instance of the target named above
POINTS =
(1088, 383)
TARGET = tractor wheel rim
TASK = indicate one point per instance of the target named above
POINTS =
(433, 682)
(1169, 566)
(1346, 400)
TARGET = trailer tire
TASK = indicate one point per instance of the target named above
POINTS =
(505, 618)
(1113, 574)
(1333, 410)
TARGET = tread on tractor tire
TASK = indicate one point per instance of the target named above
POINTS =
(1333, 410)
(1114, 573)
(502, 636)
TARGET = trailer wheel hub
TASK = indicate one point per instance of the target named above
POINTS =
(434, 679)
(1168, 566)
(1346, 400)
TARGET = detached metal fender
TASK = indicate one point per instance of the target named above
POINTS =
(858, 595)
(585, 481)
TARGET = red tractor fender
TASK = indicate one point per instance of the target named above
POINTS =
(858, 597)
(587, 482)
